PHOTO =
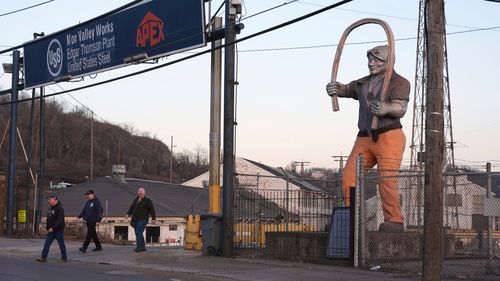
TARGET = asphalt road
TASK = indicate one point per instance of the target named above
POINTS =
(18, 262)
(28, 269)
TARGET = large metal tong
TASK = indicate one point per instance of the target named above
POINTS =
(390, 63)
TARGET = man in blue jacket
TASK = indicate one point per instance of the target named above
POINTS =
(55, 229)
(92, 214)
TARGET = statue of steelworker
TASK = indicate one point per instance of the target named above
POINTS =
(384, 145)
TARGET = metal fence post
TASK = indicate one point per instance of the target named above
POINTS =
(358, 213)
(287, 199)
(362, 211)
(257, 211)
(490, 218)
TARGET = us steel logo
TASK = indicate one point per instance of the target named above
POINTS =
(150, 30)
(54, 57)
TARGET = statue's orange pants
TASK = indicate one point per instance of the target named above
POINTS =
(387, 154)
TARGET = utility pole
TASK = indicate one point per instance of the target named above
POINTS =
(30, 145)
(119, 150)
(434, 139)
(338, 181)
(419, 108)
(171, 155)
(12, 144)
(233, 8)
(214, 138)
(91, 145)
(40, 181)
(340, 159)
(302, 164)
(28, 164)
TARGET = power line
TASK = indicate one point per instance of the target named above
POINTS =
(23, 9)
(270, 9)
(81, 104)
(130, 140)
(302, 164)
(361, 42)
(276, 27)
(387, 16)
(340, 160)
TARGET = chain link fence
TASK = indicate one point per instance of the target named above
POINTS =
(281, 209)
(471, 241)
(291, 218)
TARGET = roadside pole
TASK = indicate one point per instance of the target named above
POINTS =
(232, 9)
(41, 168)
(214, 138)
(12, 144)
(434, 138)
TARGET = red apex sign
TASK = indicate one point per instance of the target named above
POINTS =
(150, 30)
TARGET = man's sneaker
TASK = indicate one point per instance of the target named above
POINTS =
(389, 226)
(97, 250)
(41, 260)
(62, 260)
(82, 250)
(139, 250)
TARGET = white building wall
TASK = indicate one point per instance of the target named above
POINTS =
(106, 228)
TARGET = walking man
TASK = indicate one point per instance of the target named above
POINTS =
(92, 214)
(140, 210)
(55, 229)
(382, 146)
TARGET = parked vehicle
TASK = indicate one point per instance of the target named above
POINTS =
(61, 185)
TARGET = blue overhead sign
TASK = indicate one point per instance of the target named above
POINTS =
(147, 30)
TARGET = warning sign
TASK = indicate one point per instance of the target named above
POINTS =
(21, 215)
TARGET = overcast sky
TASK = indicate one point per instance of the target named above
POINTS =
(283, 112)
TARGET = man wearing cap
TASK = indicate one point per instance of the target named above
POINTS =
(382, 146)
(55, 229)
(92, 214)
(141, 209)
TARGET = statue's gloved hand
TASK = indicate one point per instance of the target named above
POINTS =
(395, 108)
(379, 108)
(334, 88)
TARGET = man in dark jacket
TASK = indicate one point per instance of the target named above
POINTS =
(140, 210)
(55, 229)
(92, 214)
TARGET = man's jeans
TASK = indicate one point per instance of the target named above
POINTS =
(59, 236)
(139, 227)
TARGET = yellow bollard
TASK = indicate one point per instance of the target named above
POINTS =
(197, 233)
(189, 236)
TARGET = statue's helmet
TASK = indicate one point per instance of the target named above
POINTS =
(379, 52)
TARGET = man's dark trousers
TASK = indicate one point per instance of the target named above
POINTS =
(91, 235)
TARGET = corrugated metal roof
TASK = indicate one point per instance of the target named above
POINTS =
(116, 197)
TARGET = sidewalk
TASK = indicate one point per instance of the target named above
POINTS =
(192, 262)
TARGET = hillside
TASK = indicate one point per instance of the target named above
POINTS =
(68, 138)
